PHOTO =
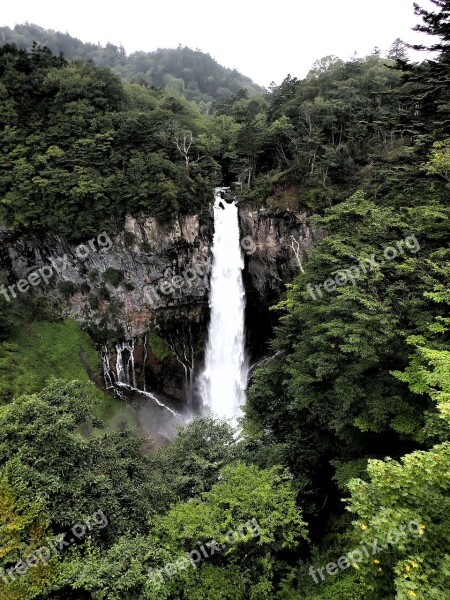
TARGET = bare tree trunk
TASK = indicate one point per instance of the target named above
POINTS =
(295, 246)
(184, 145)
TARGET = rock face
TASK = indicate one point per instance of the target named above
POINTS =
(148, 279)
(151, 280)
(280, 239)
(123, 283)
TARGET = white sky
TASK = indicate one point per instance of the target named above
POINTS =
(265, 40)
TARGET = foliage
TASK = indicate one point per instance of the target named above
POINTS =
(113, 276)
(79, 149)
(23, 528)
(36, 352)
(397, 494)
(356, 393)
(439, 163)
(191, 464)
(21, 523)
(67, 288)
(417, 489)
(159, 346)
(341, 403)
(246, 569)
(244, 493)
(190, 72)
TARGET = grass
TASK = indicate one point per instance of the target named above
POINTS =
(159, 346)
(34, 353)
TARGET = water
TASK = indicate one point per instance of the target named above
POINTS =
(125, 377)
(126, 373)
(224, 379)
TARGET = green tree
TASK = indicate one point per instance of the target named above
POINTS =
(44, 447)
(398, 50)
(414, 490)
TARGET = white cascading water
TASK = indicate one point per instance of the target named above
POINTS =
(125, 377)
(224, 379)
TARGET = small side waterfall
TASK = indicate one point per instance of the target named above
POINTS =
(125, 376)
(224, 379)
(109, 377)
(186, 358)
(126, 372)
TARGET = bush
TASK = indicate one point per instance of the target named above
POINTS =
(93, 275)
(113, 276)
(130, 238)
(67, 288)
(103, 293)
(94, 301)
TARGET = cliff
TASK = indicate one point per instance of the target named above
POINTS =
(150, 283)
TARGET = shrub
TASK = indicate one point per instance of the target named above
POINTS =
(67, 288)
(113, 276)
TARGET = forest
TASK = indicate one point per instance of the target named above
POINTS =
(343, 451)
(194, 74)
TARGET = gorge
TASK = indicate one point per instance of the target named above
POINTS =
(155, 343)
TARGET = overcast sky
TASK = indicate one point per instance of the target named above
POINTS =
(263, 39)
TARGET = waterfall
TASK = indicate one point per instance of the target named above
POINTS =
(126, 374)
(109, 377)
(224, 379)
(191, 370)
(130, 388)
(121, 375)
(187, 361)
(144, 362)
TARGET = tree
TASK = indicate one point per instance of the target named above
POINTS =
(243, 493)
(23, 529)
(398, 50)
(43, 449)
(79, 151)
(191, 464)
(244, 523)
(435, 24)
(439, 161)
(328, 395)
(416, 490)
(184, 142)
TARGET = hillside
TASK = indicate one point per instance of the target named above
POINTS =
(192, 72)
